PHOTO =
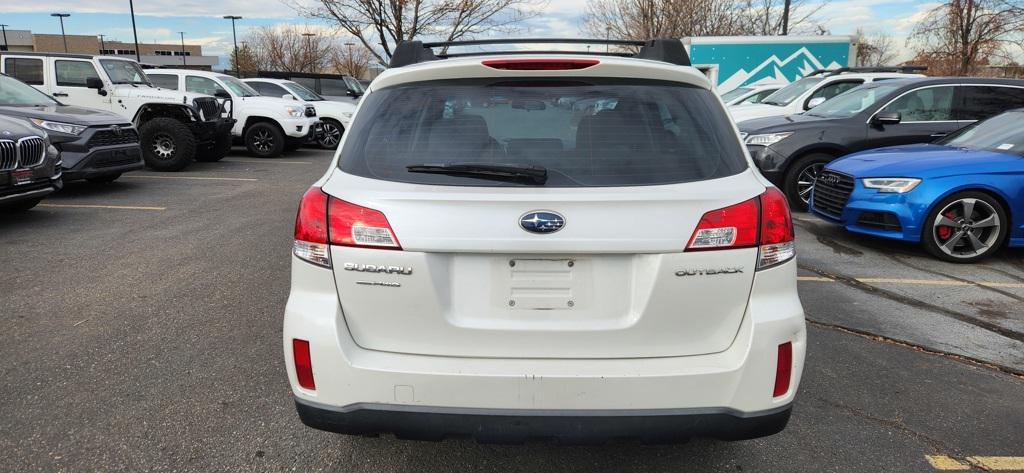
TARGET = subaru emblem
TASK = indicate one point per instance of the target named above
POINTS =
(541, 221)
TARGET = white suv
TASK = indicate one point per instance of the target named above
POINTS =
(817, 87)
(544, 245)
(267, 126)
(335, 117)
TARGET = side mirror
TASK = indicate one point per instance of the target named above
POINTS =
(815, 102)
(886, 118)
(220, 94)
(288, 97)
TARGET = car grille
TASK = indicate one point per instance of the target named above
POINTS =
(111, 161)
(8, 155)
(209, 107)
(31, 152)
(831, 192)
(109, 137)
(310, 111)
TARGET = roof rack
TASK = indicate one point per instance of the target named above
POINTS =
(664, 50)
(842, 70)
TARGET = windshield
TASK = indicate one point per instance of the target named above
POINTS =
(1001, 133)
(238, 87)
(124, 72)
(601, 132)
(734, 94)
(791, 92)
(302, 92)
(18, 93)
(851, 103)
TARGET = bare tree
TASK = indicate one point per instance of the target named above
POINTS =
(875, 49)
(246, 61)
(960, 36)
(289, 48)
(645, 19)
(380, 24)
(351, 60)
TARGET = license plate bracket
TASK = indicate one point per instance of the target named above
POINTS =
(22, 176)
(541, 284)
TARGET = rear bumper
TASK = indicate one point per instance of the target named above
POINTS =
(498, 426)
(736, 382)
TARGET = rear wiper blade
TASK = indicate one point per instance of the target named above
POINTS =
(534, 174)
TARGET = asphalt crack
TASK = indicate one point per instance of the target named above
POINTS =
(910, 301)
(901, 260)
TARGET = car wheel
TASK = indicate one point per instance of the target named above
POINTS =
(965, 227)
(330, 135)
(799, 180)
(21, 206)
(264, 140)
(217, 150)
(167, 144)
(107, 179)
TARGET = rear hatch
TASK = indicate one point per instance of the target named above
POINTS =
(586, 263)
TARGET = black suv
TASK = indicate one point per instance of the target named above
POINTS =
(95, 145)
(29, 165)
(791, 150)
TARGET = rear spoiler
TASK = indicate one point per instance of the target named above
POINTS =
(670, 51)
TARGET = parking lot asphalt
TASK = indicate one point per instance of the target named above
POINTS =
(141, 326)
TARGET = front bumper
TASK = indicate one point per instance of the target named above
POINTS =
(360, 390)
(300, 127)
(207, 132)
(101, 161)
(40, 186)
(865, 207)
(771, 163)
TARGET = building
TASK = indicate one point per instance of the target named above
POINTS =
(159, 55)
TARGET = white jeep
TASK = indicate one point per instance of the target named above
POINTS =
(174, 127)
(267, 126)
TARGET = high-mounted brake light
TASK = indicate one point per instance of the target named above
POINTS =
(783, 369)
(303, 364)
(323, 220)
(764, 222)
(540, 64)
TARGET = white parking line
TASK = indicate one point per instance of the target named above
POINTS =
(90, 206)
(264, 161)
(197, 178)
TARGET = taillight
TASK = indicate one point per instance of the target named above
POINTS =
(783, 369)
(323, 220)
(311, 229)
(540, 64)
(764, 222)
(303, 364)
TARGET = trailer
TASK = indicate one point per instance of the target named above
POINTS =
(734, 61)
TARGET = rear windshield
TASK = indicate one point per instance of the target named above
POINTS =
(595, 132)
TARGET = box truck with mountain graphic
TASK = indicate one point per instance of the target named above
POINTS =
(735, 61)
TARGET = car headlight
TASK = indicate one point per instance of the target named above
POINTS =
(767, 139)
(294, 112)
(895, 185)
(59, 127)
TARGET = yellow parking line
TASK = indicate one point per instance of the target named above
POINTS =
(87, 206)
(198, 178)
(263, 161)
(921, 282)
(947, 463)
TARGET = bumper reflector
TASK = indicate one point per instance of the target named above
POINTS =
(783, 370)
(303, 364)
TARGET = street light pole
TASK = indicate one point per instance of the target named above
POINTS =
(135, 33)
(62, 16)
(234, 37)
(785, 18)
(4, 28)
(103, 44)
(308, 60)
(182, 33)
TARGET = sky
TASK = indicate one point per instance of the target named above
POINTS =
(161, 20)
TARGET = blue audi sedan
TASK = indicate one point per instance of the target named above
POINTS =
(962, 197)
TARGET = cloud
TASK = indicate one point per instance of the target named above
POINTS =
(245, 8)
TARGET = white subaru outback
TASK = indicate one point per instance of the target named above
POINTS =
(554, 245)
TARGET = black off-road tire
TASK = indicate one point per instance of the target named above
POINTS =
(264, 140)
(167, 144)
(217, 150)
(791, 183)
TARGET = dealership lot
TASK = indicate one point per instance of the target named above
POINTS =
(142, 331)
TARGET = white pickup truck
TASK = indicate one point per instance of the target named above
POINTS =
(174, 127)
(267, 126)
